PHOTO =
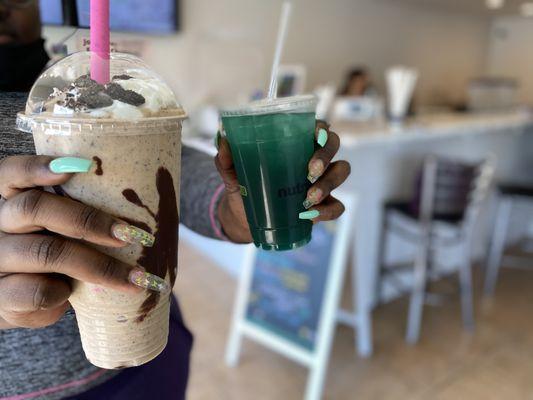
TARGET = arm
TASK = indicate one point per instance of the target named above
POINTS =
(206, 205)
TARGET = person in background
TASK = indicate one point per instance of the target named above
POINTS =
(40, 349)
(357, 83)
(22, 53)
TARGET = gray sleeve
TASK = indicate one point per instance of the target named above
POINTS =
(201, 191)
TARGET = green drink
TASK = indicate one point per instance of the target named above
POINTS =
(272, 143)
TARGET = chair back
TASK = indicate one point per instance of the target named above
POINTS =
(453, 190)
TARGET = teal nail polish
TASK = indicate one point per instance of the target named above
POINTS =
(309, 214)
(66, 165)
(322, 137)
(217, 140)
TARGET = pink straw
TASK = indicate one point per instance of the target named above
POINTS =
(100, 41)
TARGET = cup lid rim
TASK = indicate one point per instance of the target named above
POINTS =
(303, 103)
(64, 125)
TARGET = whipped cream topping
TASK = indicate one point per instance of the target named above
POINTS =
(157, 97)
(118, 110)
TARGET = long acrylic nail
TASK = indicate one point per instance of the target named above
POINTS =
(68, 165)
(311, 214)
(316, 169)
(313, 197)
(322, 137)
(148, 281)
(132, 234)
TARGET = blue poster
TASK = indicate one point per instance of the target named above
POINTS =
(51, 12)
(288, 288)
(150, 16)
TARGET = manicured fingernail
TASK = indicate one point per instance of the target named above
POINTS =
(316, 169)
(132, 234)
(322, 137)
(313, 197)
(68, 165)
(309, 214)
(308, 203)
(217, 140)
(148, 281)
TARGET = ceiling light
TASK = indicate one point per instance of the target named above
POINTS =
(494, 4)
(526, 9)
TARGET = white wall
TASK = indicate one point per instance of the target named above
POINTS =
(510, 52)
(225, 46)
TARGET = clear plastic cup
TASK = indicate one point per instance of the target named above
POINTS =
(272, 142)
(135, 176)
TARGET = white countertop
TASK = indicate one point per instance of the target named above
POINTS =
(354, 134)
(428, 127)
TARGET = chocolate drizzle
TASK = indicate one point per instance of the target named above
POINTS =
(99, 171)
(162, 258)
(132, 197)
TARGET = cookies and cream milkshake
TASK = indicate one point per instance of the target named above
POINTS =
(130, 128)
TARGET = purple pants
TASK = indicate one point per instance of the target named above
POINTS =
(164, 378)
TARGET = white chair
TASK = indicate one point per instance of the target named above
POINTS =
(449, 200)
(508, 195)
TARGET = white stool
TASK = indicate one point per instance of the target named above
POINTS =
(451, 194)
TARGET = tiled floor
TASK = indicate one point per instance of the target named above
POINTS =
(449, 364)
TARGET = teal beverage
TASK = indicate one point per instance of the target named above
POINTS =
(271, 144)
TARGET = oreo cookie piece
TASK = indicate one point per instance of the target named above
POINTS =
(70, 103)
(117, 92)
(85, 82)
(84, 85)
(122, 77)
(94, 100)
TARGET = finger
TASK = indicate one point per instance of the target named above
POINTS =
(52, 254)
(334, 176)
(22, 172)
(225, 166)
(224, 154)
(26, 293)
(35, 210)
(36, 319)
(323, 156)
(329, 209)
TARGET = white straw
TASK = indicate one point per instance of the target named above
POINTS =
(282, 34)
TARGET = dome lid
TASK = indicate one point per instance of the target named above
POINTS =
(65, 91)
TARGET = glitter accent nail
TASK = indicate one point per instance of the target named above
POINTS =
(132, 234)
(316, 169)
(312, 178)
(308, 203)
(148, 281)
(312, 198)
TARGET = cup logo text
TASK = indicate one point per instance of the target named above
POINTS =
(292, 190)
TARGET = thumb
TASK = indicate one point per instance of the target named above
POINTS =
(225, 166)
